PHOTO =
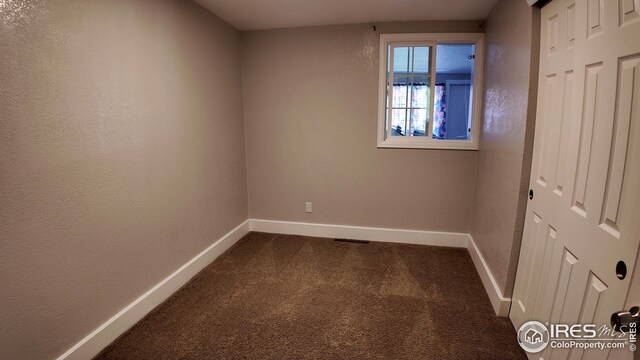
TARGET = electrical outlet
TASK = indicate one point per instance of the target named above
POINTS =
(307, 207)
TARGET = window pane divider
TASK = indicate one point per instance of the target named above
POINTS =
(407, 111)
(432, 92)
(391, 75)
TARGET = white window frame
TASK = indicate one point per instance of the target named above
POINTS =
(426, 142)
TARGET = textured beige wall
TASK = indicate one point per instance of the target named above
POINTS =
(122, 157)
(310, 105)
(504, 158)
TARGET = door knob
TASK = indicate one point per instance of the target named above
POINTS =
(621, 320)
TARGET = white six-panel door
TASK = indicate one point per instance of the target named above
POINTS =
(585, 213)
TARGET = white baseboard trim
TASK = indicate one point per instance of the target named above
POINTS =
(433, 238)
(93, 343)
(101, 337)
(500, 304)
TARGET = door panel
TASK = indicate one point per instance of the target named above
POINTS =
(458, 93)
(585, 177)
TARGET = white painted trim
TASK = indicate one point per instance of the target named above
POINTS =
(476, 110)
(421, 237)
(97, 340)
(500, 304)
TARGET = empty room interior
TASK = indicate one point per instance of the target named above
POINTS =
(304, 179)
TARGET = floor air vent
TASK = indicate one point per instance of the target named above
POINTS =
(352, 241)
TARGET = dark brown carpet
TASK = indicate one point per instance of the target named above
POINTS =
(294, 297)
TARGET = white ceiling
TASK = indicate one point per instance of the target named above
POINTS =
(269, 14)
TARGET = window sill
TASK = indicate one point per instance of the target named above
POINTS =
(435, 144)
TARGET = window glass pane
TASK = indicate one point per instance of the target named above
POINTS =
(398, 122)
(418, 122)
(401, 75)
(420, 96)
(400, 93)
(439, 112)
(422, 60)
(410, 91)
(454, 91)
(401, 60)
